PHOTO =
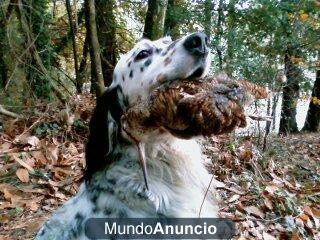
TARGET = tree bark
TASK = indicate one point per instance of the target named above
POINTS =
(4, 16)
(36, 58)
(290, 95)
(83, 63)
(231, 21)
(312, 123)
(208, 7)
(74, 46)
(219, 34)
(107, 27)
(94, 48)
(64, 40)
(171, 23)
(154, 21)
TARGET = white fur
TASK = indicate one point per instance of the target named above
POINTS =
(177, 177)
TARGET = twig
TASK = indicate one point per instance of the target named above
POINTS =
(205, 195)
(8, 113)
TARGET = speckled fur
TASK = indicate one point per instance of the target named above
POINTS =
(114, 185)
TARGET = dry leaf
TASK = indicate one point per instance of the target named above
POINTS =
(22, 163)
(39, 157)
(23, 175)
(234, 198)
(267, 200)
(32, 141)
(254, 211)
(316, 211)
(52, 154)
(271, 189)
(295, 235)
(7, 194)
(267, 236)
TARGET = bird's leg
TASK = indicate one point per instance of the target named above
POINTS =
(142, 156)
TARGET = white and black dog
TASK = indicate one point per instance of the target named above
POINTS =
(114, 186)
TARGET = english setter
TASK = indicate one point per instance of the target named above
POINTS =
(114, 185)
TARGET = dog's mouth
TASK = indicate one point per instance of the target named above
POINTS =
(197, 73)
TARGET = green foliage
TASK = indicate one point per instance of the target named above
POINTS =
(47, 128)
(37, 12)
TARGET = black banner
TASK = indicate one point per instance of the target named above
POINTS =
(159, 228)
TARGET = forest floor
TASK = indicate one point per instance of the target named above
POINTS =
(270, 195)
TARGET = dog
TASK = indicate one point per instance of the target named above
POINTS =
(113, 182)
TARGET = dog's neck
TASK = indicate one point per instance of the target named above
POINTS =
(176, 175)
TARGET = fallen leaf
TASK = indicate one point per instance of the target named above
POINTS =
(267, 236)
(271, 189)
(23, 175)
(52, 154)
(234, 198)
(39, 157)
(295, 235)
(254, 211)
(267, 200)
(7, 194)
(32, 141)
(22, 163)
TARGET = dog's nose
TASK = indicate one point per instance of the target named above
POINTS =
(197, 44)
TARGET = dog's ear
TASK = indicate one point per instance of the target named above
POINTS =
(104, 131)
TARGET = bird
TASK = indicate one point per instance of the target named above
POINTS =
(188, 108)
(212, 105)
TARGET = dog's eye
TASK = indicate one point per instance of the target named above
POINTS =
(143, 54)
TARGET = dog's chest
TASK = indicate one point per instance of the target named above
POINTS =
(177, 183)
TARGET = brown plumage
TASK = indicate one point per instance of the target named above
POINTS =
(187, 108)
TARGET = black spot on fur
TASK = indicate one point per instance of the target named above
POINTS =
(158, 50)
(141, 69)
(77, 229)
(129, 64)
(142, 195)
(79, 217)
(122, 78)
(94, 198)
(42, 232)
(148, 62)
(95, 210)
(131, 74)
(107, 211)
(112, 181)
(110, 190)
(122, 214)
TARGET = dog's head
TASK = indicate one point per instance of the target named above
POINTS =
(151, 63)
(148, 65)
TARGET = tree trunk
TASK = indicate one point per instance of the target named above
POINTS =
(35, 56)
(74, 46)
(231, 34)
(313, 116)
(94, 48)
(3, 66)
(64, 40)
(290, 95)
(171, 23)
(208, 7)
(4, 15)
(107, 26)
(154, 22)
(219, 33)
(83, 63)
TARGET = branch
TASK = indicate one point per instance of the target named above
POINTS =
(5, 112)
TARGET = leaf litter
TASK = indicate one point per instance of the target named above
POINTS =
(270, 195)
